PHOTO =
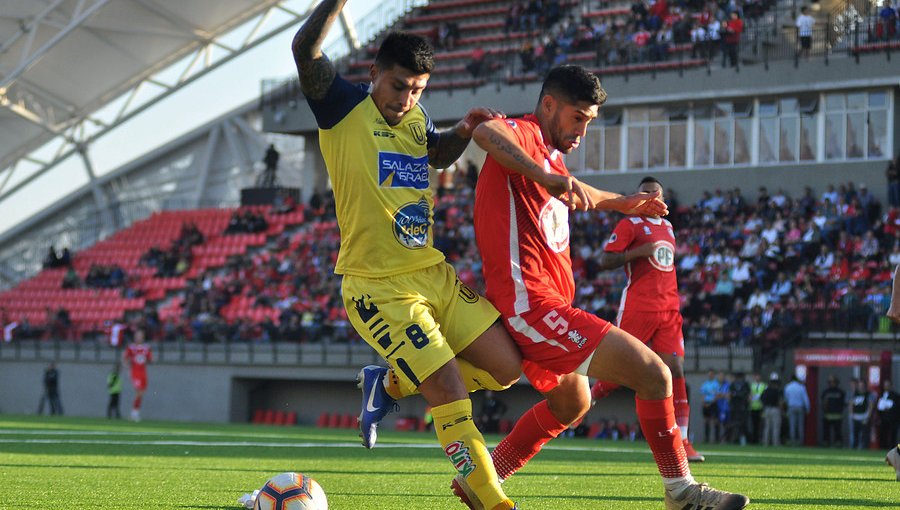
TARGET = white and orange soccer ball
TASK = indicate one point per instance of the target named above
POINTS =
(291, 491)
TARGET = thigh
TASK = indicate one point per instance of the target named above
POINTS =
(396, 320)
(623, 359)
(465, 317)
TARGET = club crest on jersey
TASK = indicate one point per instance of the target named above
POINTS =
(663, 257)
(412, 222)
(397, 170)
(613, 238)
(555, 225)
(418, 132)
(647, 231)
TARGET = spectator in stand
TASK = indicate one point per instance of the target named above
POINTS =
(834, 401)
(892, 175)
(71, 279)
(797, 402)
(805, 24)
(514, 14)
(51, 261)
(732, 29)
(887, 22)
(476, 64)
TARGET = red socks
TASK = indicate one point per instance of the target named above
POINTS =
(657, 419)
(682, 409)
(533, 430)
(137, 403)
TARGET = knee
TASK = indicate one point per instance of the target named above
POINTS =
(570, 410)
(659, 381)
(505, 376)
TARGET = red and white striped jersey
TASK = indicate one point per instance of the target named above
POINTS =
(522, 232)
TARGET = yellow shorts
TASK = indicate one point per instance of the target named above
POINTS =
(417, 321)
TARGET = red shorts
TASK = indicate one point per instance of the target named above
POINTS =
(555, 340)
(661, 331)
(139, 383)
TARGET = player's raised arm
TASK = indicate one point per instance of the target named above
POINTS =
(315, 70)
(452, 142)
(497, 139)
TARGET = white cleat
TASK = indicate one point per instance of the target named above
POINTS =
(700, 496)
(893, 459)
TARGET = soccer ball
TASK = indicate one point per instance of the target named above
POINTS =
(291, 491)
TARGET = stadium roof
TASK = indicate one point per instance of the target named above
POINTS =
(63, 60)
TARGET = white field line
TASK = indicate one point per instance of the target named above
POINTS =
(259, 444)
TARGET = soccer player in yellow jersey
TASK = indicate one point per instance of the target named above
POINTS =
(441, 339)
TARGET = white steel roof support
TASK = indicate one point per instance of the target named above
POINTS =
(99, 197)
(202, 169)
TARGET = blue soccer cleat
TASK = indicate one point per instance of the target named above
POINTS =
(376, 403)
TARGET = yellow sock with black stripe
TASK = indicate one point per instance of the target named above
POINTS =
(464, 446)
(477, 379)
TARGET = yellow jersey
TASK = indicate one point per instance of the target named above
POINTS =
(379, 175)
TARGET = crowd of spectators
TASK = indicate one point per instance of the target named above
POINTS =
(751, 272)
(245, 221)
(175, 260)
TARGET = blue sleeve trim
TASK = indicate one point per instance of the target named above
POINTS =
(341, 98)
(431, 133)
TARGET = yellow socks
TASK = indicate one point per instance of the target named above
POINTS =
(464, 446)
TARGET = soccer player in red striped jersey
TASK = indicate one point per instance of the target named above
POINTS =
(650, 308)
(137, 355)
(523, 198)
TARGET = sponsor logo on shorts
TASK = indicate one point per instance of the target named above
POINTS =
(397, 170)
(412, 223)
(576, 338)
(458, 453)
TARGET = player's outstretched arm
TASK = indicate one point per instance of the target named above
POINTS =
(893, 312)
(452, 142)
(611, 260)
(495, 137)
(315, 70)
(642, 204)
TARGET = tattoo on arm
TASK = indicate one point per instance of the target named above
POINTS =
(448, 149)
(316, 71)
(517, 155)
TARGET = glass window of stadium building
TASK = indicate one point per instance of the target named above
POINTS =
(762, 131)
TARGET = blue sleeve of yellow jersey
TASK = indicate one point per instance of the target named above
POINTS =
(431, 134)
(341, 98)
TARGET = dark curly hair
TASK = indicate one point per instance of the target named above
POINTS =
(409, 51)
(574, 84)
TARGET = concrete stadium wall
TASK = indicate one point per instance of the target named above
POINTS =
(219, 391)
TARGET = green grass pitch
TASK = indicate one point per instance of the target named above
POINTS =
(71, 463)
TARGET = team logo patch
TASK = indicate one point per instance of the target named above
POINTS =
(512, 124)
(466, 293)
(647, 231)
(418, 132)
(412, 222)
(663, 256)
(402, 171)
(555, 225)
(613, 238)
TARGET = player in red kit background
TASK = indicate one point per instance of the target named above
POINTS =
(522, 203)
(650, 308)
(136, 356)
